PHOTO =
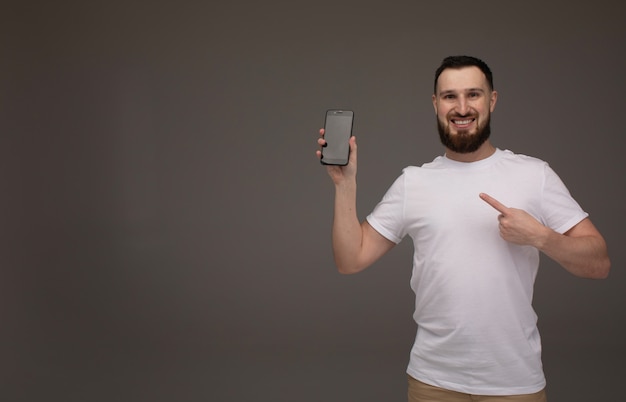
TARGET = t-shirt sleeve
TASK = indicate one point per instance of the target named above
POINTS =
(559, 209)
(387, 218)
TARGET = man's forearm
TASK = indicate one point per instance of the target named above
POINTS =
(583, 256)
(347, 232)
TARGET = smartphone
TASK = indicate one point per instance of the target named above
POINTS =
(337, 133)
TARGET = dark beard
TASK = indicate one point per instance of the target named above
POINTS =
(464, 143)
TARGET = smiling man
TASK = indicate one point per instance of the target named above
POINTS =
(463, 103)
(478, 216)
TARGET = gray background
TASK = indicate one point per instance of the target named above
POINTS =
(166, 226)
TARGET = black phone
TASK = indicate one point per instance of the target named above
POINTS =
(337, 133)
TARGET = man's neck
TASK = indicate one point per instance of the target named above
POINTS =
(484, 152)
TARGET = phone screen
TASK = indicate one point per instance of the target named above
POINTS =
(337, 133)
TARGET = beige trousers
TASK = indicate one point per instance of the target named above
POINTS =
(421, 392)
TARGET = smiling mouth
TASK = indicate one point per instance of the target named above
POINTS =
(464, 122)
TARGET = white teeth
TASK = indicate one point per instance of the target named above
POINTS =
(462, 121)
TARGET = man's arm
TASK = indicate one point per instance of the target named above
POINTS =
(581, 250)
(355, 245)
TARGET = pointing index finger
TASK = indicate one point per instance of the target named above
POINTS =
(497, 205)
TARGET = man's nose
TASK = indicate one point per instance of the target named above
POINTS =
(462, 106)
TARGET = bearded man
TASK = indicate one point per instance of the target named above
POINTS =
(478, 216)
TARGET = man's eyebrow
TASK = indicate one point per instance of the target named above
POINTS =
(453, 91)
(449, 91)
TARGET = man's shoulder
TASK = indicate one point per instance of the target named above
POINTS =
(508, 155)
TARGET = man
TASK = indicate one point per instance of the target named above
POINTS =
(478, 217)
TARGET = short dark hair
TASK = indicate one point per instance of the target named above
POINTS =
(464, 61)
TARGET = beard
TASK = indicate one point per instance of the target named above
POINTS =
(464, 142)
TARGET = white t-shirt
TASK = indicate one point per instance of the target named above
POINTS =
(477, 329)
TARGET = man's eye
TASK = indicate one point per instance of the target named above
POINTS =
(474, 95)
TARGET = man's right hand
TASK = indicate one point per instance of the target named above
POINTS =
(340, 174)
(355, 245)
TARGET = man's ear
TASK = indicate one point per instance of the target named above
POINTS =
(493, 100)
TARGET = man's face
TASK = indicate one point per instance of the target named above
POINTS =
(463, 104)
